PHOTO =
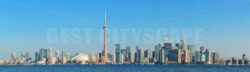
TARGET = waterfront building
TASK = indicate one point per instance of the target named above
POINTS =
(90, 57)
(137, 55)
(157, 58)
(244, 60)
(132, 56)
(197, 57)
(202, 55)
(240, 61)
(124, 53)
(112, 57)
(243, 56)
(234, 60)
(216, 57)
(208, 57)
(57, 56)
(97, 58)
(79, 59)
(128, 53)
(141, 55)
(27, 59)
(162, 56)
(64, 58)
(68, 57)
(222, 62)
(174, 56)
(122, 59)
(13, 56)
(36, 57)
(192, 53)
(117, 53)
(50, 56)
(179, 56)
(168, 47)
(187, 56)
(43, 54)
(148, 53)
(203, 58)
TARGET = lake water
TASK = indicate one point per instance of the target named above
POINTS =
(124, 68)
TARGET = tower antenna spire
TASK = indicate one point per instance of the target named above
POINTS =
(105, 15)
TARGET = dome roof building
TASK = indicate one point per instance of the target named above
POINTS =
(80, 59)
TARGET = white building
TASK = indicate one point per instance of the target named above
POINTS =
(80, 59)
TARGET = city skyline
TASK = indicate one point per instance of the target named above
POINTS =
(164, 53)
(24, 25)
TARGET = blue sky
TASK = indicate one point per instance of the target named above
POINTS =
(224, 23)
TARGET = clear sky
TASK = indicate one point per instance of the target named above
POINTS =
(24, 24)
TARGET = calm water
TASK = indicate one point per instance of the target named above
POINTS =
(123, 68)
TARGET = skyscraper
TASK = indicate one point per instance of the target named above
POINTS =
(179, 56)
(36, 57)
(174, 55)
(216, 57)
(105, 39)
(128, 56)
(162, 55)
(64, 58)
(122, 59)
(183, 45)
(197, 57)
(117, 53)
(68, 56)
(13, 56)
(202, 55)
(157, 53)
(50, 55)
(132, 56)
(148, 53)
(167, 50)
(113, 59)
(137, 54)
(141, 55)
(57, 56)
(243, 56)
(244, 61)
(97, 58)
(124, 54)
(43, 54)
(207, 55)
(187, 56)
(192, 53)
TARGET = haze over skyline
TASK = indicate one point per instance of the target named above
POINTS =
(24, 24)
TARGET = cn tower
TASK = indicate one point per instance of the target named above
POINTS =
(105, 40)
